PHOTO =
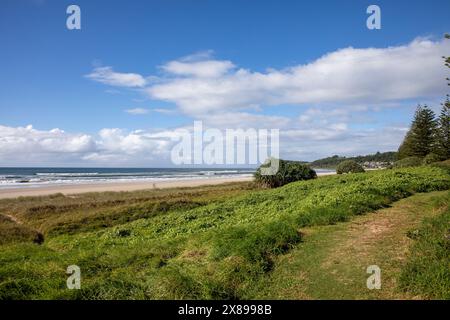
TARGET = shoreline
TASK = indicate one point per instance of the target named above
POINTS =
(114, 187)
(9, 193)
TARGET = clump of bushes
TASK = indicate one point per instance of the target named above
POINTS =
(288, 171)
(349, 166)
(431, 158)
(408, 162)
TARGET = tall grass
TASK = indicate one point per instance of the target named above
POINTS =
(60, 214)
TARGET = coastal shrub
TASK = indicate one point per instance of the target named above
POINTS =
(288, 171)
(349, 166)
(408, 162)
(431, 158)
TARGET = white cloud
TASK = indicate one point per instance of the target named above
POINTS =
(244, 120)
(28, 146)
(145, 148)
(108, 76)
(200, 69)
(28, 140)
(350, 75)
(137, 111)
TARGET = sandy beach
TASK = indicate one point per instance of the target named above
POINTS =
(118, 186)
(113, 186)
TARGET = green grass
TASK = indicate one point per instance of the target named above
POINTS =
(427, 272)
(331, 262)
(59, 214)
(219, 248)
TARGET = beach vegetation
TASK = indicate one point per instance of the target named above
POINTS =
(349, 166)
(220, 248)
(288, 171)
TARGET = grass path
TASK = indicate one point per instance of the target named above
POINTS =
(331, 262)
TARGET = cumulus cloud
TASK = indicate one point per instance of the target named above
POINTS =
(111, 146)
(29, 140)
(108, 76)
(349, 75)
(201, 86)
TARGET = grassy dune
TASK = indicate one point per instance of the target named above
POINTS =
(213, 242)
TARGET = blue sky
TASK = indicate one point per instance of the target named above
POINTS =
(52, 77)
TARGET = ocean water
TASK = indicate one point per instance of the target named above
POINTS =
(36, 177)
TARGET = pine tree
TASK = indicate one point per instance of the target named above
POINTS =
(420, 139)
(443, 136)
(447, 60)
(443, 132)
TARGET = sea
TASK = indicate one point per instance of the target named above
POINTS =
(36, 177)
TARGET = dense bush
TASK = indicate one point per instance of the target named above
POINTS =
(288, 171)
(348, 166)
(408, 162)
(431, 158)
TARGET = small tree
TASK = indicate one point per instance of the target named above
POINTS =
(349, 166)
(443, 132)
(288, 171)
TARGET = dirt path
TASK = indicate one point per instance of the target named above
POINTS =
(332, 261)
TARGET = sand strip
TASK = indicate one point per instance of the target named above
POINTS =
(113, 186)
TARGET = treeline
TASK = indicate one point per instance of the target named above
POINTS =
(428, 136)
(332, 162)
